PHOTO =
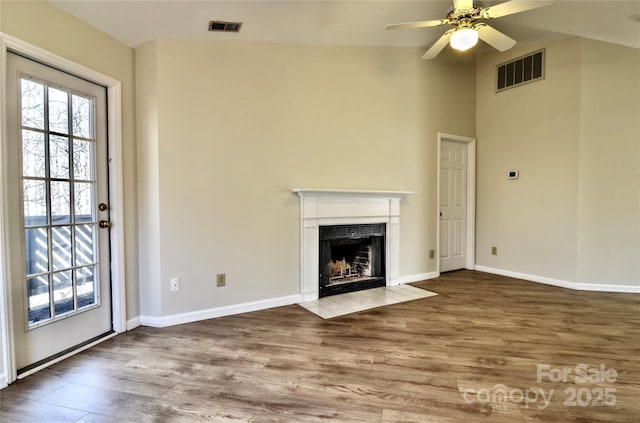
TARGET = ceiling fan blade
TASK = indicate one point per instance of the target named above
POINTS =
(494, 37)
(419, 24)
(463, 4)
(437, 47)
(511, 7)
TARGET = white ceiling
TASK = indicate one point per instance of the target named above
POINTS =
(359, 23)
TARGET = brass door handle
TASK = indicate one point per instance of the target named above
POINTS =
(104, 224)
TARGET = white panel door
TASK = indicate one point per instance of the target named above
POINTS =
(59, 235)
(453, 207)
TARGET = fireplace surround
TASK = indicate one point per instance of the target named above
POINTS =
(326, 207)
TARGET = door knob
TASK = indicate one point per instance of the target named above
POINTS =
(104, 224)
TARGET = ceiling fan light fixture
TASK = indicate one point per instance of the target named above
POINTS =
(464, 38)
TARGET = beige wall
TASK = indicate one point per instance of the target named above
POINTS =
(241, 124)
(609, 177)
(574, 138)
(47, 27)
(2, 356)
(147, 125)
(534, 129)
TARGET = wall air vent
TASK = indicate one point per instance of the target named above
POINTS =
(520, 71)
(224, 26)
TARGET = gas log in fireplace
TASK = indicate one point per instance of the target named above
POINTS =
(352, 258)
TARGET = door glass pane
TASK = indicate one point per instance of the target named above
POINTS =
(35, 202)
(38, 298)
(58, 111)
(62, 293)
(36, 250)
(82, 160)
(60, 203)
(33, 154)
(86, 281)
(82, 117)
(84, 244)
(59, 157)
(61, 247)
(83, 202)
(32, 104)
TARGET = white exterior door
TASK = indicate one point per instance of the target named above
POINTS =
(453, 205)
(60, 285)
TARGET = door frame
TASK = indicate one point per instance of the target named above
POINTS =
(8, 371)
(470, 250)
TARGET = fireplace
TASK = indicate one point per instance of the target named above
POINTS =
(320, 208)
(352, 258)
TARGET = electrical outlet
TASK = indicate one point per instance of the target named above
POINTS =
(221, 279)
(432, 254)
(174, 284)
(494, 251)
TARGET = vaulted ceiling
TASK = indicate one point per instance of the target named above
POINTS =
(354, 23)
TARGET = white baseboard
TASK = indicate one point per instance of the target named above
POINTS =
(579, 286)
(194, 316)
(3, 381)
(133, 323)
(416, 278)
(603, 287)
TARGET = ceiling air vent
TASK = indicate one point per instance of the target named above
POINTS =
(520, 71)
(224, 26)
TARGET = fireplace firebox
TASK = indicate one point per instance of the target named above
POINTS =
(352, 258)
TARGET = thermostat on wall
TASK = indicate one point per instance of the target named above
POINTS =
(513, 174)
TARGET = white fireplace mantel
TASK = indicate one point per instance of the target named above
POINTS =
(308, 192)
(321, 207)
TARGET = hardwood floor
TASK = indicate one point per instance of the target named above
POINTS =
(439, 359)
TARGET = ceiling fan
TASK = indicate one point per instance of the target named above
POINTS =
(467, 19)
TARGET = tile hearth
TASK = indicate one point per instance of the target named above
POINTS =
(352, 302)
